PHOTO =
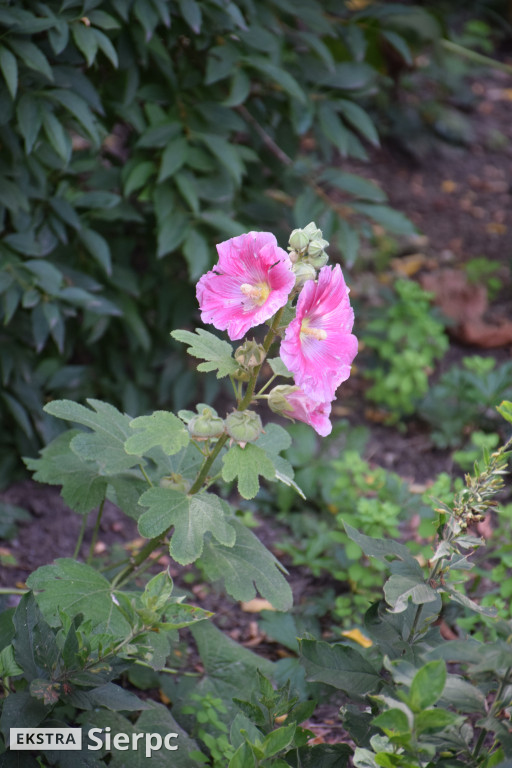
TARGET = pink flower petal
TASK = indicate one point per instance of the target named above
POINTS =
(251, 281)
(319, 347)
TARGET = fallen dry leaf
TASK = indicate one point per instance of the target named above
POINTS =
(256, 605)
(466, 303)
(357, 636)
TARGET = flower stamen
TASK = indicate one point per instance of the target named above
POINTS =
(257, 293)
(316, 333)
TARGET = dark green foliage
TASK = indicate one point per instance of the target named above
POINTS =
(133, 137)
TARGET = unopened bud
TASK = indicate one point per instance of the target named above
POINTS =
(312, 231)
(249, 355)
(244, 426)
(175, 482)
(303, 272)
(318, 261)
(241, 374)
(206, 424)
(294, 257)
(299, 240)
(277, 399)
(317, 247)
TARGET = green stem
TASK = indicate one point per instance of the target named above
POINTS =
(145, 475)
(415, 623)
(478, 745)
(267, 385)
(478, 58)
(95, 532)
(80, 537)
(203, 472)
(12, 591)
(495, 706)
(168, 670)
(136, 561)
(267, 343)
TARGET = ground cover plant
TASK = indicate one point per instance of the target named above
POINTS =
(410, 697)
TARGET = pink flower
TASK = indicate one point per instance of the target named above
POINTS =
(251, 281)
(319, 347)
(294, 404)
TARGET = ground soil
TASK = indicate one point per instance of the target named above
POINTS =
(460, 198)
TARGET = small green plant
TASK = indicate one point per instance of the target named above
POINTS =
(347, 490)
(482, 271)
(406, 338)
(418, 713)
(465, 398)
(210, 729)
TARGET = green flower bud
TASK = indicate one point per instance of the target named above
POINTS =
(249, 355)
(317, 246)
(312, 231)
(299, 240)
(175, 482)
(244, 426)
(303, 272)
(277, 401)
(241, 374)
(318, 261)
(206, 424)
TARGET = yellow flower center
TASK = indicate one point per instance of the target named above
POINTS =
(257, 293)
(315, 333)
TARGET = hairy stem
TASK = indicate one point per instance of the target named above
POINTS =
(267, 343)
(80, 537)
(95, 532)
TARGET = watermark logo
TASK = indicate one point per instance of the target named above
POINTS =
(96, 738)
(46, 738)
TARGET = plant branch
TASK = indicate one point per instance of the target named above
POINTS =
(80, 537)
(96, 531)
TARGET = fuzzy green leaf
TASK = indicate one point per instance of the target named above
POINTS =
(246, 567)
(338, 665)
(247, 464)
(162, 429)
(192, 517)
(408, 582)
(217, 353)
(385, 550)
(105, 444)
(82, 488)
(76, 588)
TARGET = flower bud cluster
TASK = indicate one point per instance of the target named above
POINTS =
(307, 253)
